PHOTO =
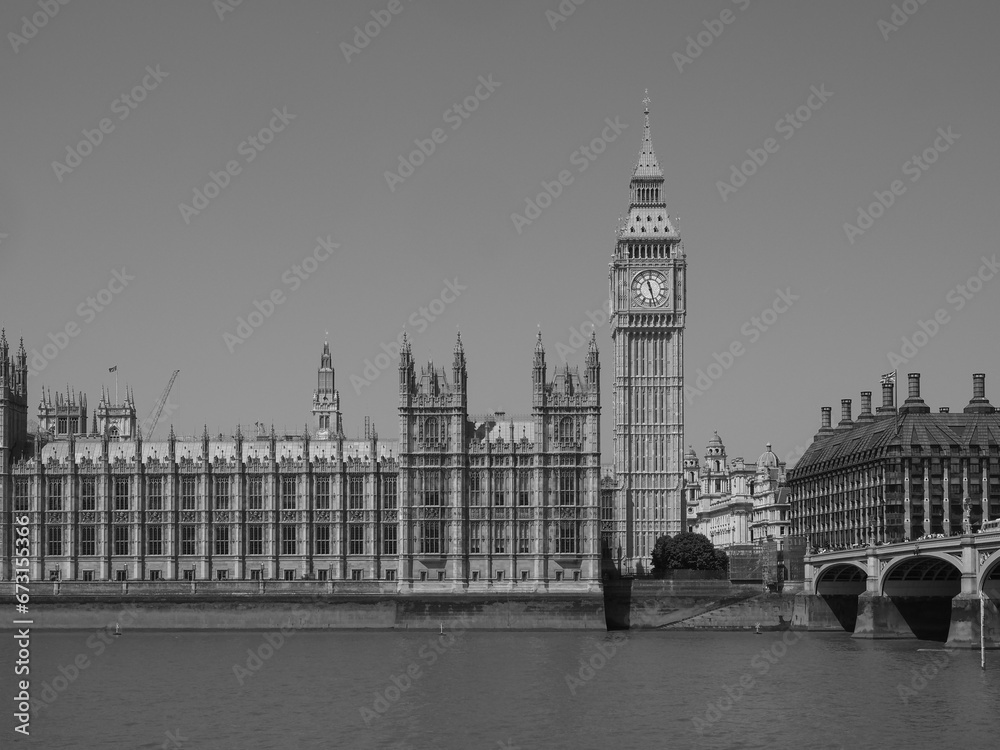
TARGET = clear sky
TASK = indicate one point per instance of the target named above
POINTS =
(208, 84)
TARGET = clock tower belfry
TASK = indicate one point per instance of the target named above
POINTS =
(648, 306)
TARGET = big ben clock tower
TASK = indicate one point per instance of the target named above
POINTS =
(648, 303)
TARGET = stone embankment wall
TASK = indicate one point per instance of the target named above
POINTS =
(185, 611)
(650, 604)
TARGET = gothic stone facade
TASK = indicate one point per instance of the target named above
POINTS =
(648, 308)
(455, 503)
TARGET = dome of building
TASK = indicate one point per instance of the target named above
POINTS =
(768, 459)
(690, 453)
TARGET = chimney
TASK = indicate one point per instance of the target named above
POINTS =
(866, 407)
(845, 414)
(887, 407)
(914, 404)
(825, 428)
(979, 403)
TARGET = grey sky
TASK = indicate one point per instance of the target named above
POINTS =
(346, 123)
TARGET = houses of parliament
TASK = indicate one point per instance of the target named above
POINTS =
(455, 501)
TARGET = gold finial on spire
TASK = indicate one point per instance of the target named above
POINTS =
(647, 101)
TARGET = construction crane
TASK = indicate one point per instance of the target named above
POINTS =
(154, 416)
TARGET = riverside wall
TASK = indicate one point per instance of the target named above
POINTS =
(637, 604)
(252, 607)
(684, 604)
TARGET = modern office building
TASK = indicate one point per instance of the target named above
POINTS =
(899, 474)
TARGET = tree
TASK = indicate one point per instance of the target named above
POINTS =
(687, 551)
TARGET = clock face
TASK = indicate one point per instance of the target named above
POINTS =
(649, 289)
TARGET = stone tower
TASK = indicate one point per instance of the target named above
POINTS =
(326, 400)
(13, 406)
(648, 305)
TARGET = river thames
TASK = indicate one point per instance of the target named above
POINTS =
(513, 690)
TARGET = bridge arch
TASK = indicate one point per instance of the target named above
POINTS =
(838, 584)
(989, 576)
(841, 578)
(922, 574)
(921, 588)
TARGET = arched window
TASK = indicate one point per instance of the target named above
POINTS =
(431, 431)
(566, 429)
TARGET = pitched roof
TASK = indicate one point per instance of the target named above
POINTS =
(924, 430)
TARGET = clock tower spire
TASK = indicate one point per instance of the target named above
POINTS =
(648, 307)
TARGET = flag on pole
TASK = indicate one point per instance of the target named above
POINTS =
(889, 377)
(113, 369)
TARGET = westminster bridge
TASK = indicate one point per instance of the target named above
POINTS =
(929, 588)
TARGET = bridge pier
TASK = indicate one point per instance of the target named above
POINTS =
(878, 617)
(820, 612)
(964, 629)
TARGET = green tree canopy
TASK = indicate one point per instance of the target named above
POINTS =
(687, 551)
